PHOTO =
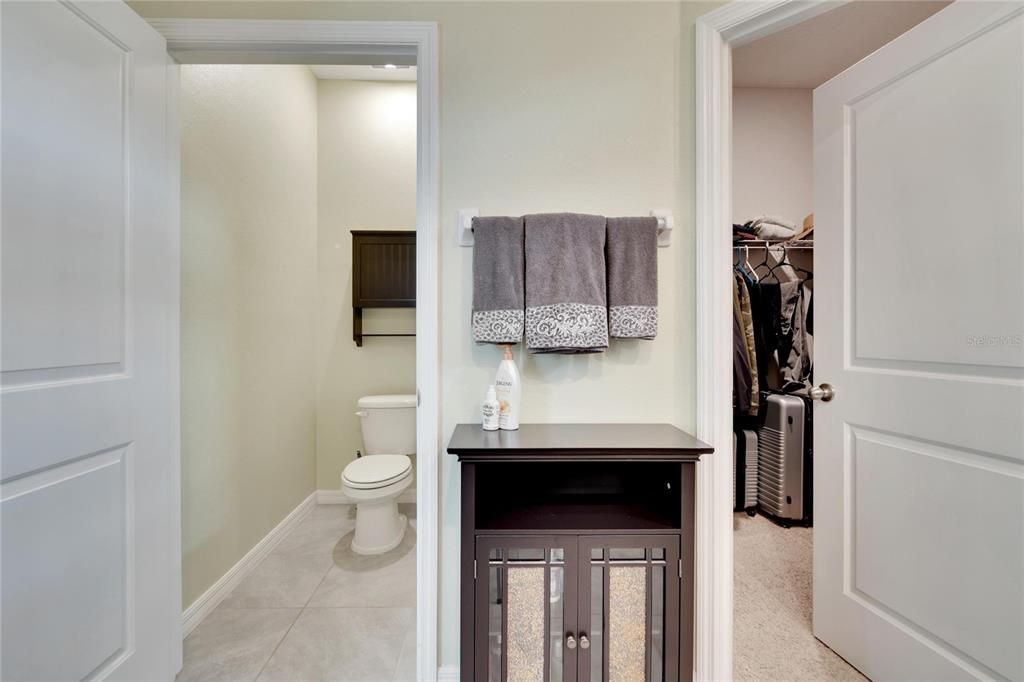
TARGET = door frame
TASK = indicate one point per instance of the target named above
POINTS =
(305, 42)
(717, 33)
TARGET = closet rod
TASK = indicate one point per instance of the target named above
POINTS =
(761, 244)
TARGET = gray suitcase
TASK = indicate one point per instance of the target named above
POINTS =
(744, 470)
(781, 474)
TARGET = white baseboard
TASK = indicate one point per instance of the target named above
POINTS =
(408, 496)
(448, 673)
(209, 600)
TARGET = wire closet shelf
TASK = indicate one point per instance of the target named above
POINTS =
(800, 244)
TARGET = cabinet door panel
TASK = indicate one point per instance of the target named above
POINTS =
(629, 608)
(526, 608)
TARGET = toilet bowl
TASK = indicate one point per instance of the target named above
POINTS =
(374, 483)
(375, 480)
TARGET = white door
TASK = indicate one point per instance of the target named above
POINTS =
(919, 459)
(89, 466)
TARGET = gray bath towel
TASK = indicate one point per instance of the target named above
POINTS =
(633, 277)
(498, 296)
(566, 303)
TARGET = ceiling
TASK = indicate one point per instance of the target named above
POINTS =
(809, 53)
(362, 73)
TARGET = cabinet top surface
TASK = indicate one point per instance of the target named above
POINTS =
(383, 233)
(577, 441)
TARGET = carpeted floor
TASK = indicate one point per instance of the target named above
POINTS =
(772, 589)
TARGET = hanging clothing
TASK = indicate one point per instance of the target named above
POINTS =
(797, 358)
(742, 375)
(781, 352)
(767, 311)
(747, 323)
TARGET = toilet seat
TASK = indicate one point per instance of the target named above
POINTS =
(376, 471)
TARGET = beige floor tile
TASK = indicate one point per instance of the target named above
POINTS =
(233, 644)
(314, 540)
(406, 671)
(239, 638)
(392, 585)
(342, 645)
(280, 580)
(288, 575)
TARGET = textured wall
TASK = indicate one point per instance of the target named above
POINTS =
(248, 293)
(367, 181)
(772, 153)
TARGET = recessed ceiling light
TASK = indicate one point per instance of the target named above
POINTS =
(390, 67)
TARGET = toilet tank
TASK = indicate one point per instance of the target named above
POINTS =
(388, 424)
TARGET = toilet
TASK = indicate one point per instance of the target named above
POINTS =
(375, 480)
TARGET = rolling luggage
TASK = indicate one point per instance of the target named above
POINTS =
(784, 460)
(744, 469)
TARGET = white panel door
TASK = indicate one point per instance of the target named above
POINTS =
(919, 471)
(89, 491)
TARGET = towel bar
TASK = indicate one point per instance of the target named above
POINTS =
(464, 234)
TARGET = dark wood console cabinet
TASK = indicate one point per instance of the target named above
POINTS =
(577, 552)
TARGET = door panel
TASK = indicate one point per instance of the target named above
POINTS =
(887, 471)
(55, 556)
(88, 371)
(919, 472)
(927, 191)
(629, 608)
(73, 221)
(526, 608)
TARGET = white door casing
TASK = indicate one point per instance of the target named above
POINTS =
(91, 569)
(919, 459)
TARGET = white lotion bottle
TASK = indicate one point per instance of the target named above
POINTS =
(509, 391)
(491, 410)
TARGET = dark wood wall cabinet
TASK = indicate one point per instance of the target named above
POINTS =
(577, 552)
(383, 274)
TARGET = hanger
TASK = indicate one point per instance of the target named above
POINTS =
(764, 262)
(782, 261)
(785, 261)
(743, 263)
(746, 261)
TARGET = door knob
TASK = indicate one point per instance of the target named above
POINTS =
(584, 641)
(824, 393)
(570, 642)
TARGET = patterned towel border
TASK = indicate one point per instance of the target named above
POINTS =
(498, 326)
(633, 321)
(567, 326)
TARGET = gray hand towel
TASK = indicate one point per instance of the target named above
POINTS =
(498, 298)
(633, 277)
(566, 303)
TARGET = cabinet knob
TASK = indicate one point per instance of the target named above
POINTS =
(570, 642)
(584, 641)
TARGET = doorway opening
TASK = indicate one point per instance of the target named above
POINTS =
(298, 194)
(773, 81)
(309, 172)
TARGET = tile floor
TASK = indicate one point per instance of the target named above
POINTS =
(772, 638)
(301, 616)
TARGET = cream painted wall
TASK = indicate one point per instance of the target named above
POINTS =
(367, 180)
(772, 153)
(549, 106)
(248, 295)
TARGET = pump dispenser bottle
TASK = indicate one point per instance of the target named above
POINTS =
(509, 389)
(491, 410)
